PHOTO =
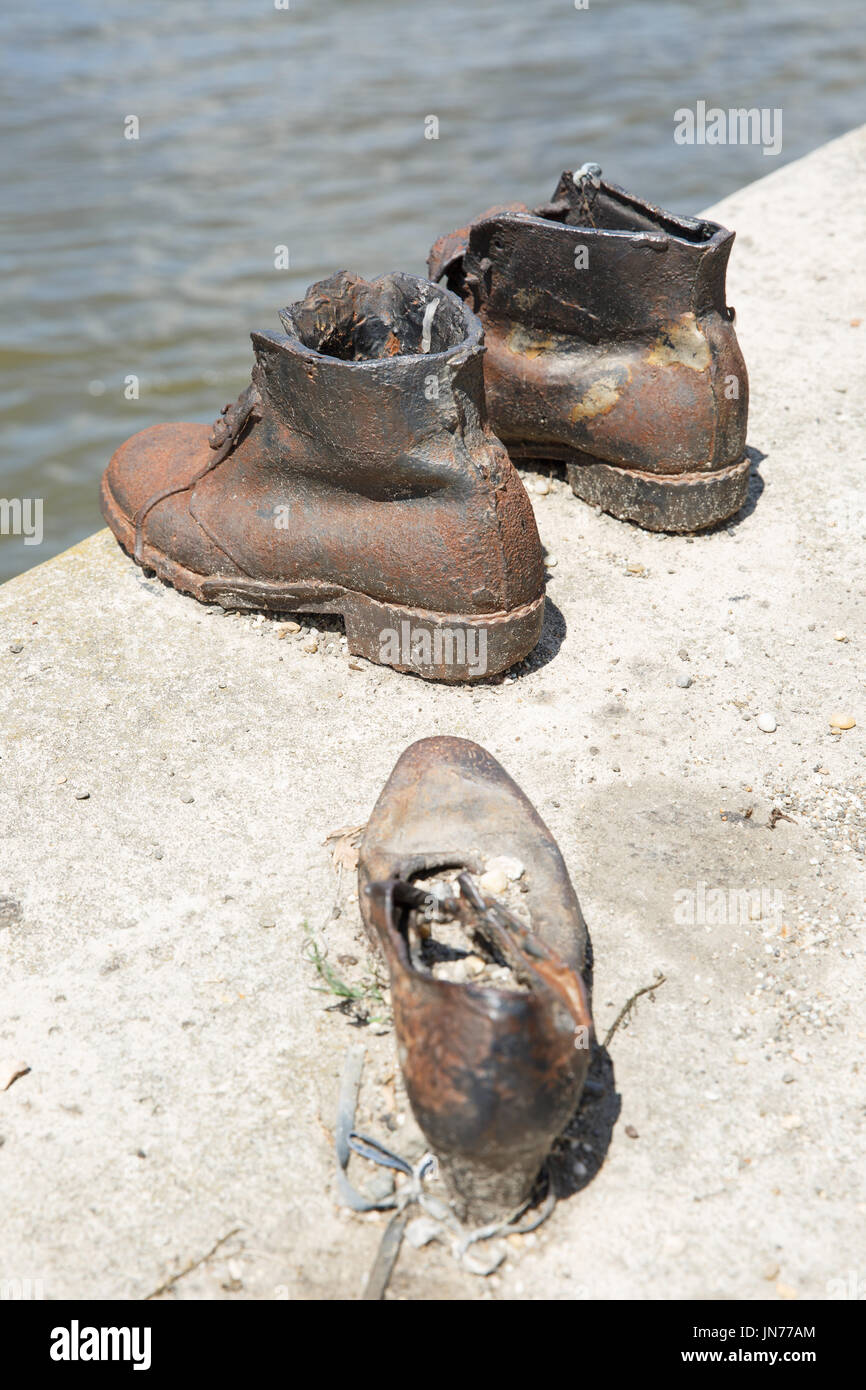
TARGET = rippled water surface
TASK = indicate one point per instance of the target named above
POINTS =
(305, 127)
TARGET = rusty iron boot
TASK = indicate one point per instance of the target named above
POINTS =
(610, 348)
(356, 475)
(464, 890)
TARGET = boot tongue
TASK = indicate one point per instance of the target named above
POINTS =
(360, 321)
(338, 319)
(575, 196)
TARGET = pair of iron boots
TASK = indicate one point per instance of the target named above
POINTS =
(367, 470)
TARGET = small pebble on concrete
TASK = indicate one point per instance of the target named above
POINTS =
(495, 881)
(506, 864)
(842, 721)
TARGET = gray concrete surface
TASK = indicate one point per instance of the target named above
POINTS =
(183, 1070)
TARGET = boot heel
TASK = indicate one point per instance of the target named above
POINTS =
(441, 646)
(484, 1192)
(659, 501)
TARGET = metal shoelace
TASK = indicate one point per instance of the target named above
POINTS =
(436, 1220)
(587, 177)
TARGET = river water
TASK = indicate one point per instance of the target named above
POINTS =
(306, 127)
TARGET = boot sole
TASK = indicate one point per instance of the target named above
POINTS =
(673, 502)
(452, 647)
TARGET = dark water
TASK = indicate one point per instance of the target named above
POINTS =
(262, 127)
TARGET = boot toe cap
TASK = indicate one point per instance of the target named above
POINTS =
(155, 461)
(163, 456)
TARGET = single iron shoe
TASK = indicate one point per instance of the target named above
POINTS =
(357, 475)
(466, 894)
(610, 347)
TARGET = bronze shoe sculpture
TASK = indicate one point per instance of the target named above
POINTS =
(494, 1060)
(357, 475)
(610, 347)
